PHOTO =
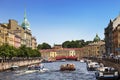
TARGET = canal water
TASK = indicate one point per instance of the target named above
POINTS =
(80, 73)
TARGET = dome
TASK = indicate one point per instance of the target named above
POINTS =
(25, 24)
(97, 38)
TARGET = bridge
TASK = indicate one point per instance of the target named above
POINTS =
(66, 57)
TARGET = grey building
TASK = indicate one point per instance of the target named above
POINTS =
(109, 34)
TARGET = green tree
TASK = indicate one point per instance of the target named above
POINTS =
(12, 52)
(75, 44)
(44, 46)
(36, 53)
(22, 51)
(7, 51)
(66, 44)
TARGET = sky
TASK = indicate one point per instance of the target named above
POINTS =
(57, 21)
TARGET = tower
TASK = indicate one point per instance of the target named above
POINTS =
(25, 24)
(27, 36)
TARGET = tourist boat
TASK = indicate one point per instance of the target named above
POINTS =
(63, 60)
(14, 67)
(69, 67)
(32, 71)
(36, 68)
(88, 61)
(82, 60)
(92, 66)
(107, 73)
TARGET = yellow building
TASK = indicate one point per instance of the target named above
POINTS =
(17, 41)
(94, 49)
(10, 39)
(34, 43)
(16, 35)
(3, 34)
(53, 54)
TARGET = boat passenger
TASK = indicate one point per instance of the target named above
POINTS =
(101, 65)
(41, 66)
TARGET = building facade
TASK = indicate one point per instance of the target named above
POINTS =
(64, 52)
(94, 49)
(17, 35)
(112, 35)
(116, 41)
(34, 43)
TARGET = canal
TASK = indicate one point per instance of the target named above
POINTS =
(80, 73)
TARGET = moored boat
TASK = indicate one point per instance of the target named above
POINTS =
(14, 67)
(92, 66)
(82, 61)
(107, 73)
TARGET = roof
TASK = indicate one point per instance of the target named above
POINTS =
(116, 21)
(97, 38)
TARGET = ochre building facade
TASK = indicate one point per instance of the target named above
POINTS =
(17, 35)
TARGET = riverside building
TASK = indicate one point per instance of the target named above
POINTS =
(17, 35)
(112, 37)
(95, 49)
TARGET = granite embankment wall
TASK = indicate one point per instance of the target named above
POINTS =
(7, 65)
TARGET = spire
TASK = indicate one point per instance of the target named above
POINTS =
(25, 14)
(25, 23)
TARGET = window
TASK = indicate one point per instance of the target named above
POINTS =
(97, 51)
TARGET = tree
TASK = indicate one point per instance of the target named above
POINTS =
(36, 53)
(23, 51)
(44, 46)
(27, 52)
(66, 44)
(75, 44)
(12, 52)
(7, 51)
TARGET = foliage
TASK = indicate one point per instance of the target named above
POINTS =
(75, 44)
(44, 46)
(7, 51)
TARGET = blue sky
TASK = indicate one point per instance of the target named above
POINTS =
(56, 21)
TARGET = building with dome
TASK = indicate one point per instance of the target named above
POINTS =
(97, 38)
(94, 49)
(112, 37)
(16, 35)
